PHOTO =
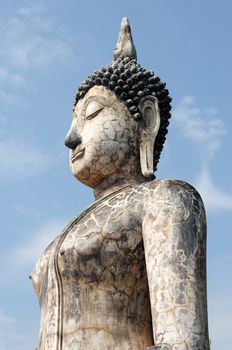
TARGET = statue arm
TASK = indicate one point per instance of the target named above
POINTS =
(174, 234)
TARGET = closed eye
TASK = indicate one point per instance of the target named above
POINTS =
(93, 114)
(92, 109)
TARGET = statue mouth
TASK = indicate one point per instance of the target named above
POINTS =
(77, 155)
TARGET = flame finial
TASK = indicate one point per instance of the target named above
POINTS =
(125, 46)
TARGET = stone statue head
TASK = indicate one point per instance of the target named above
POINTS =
(133, 110)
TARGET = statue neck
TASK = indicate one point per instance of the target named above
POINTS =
(116, 181)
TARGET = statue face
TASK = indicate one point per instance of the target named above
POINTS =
(105, 137)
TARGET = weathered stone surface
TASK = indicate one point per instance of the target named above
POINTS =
(129, 272)
(95, 275)
(125, 46)
(160, 347)
(175, 262)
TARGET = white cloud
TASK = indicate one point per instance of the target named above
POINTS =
(212, 196)
(19, 260)
(30, 39)
(15, 80)
(6, 98)
(26, 210)
(27, 254)
(225, 259)
(200, 125)
(19, 159)
(220, 326)
(205, 129)
(10, 336)
(31, 9)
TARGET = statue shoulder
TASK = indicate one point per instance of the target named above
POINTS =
(175, 192)
(174, 203)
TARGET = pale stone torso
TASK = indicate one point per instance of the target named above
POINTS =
(103, 281)
(92, 281)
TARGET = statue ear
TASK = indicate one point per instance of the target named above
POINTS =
(149, 110)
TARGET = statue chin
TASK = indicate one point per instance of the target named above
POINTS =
(80, 171)
(129, 272)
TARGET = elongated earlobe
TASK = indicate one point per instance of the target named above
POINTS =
(149, 109)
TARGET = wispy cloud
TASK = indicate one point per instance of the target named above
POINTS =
(27, 210)
(6, 99)
(19, 159)
(30, 39)
(15, 80)
(206, 130)
(10, 336)
(225, 259)
(213, 197)
(18, 262)
(220, 326)
(200, 125)
(32, 8)
(27, 254)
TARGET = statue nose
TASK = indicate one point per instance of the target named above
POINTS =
(72, 140)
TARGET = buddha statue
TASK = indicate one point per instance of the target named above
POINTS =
(129, 272)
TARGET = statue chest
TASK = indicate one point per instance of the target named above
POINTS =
(102, 246)
(106, 244)
(93, 277)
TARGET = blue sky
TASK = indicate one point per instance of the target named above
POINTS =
(47, 48)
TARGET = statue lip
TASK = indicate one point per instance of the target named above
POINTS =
(78, 154)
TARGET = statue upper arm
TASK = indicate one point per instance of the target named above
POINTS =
(174, 230)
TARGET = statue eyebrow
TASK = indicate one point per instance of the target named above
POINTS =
(86, 102)
(93, 98)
